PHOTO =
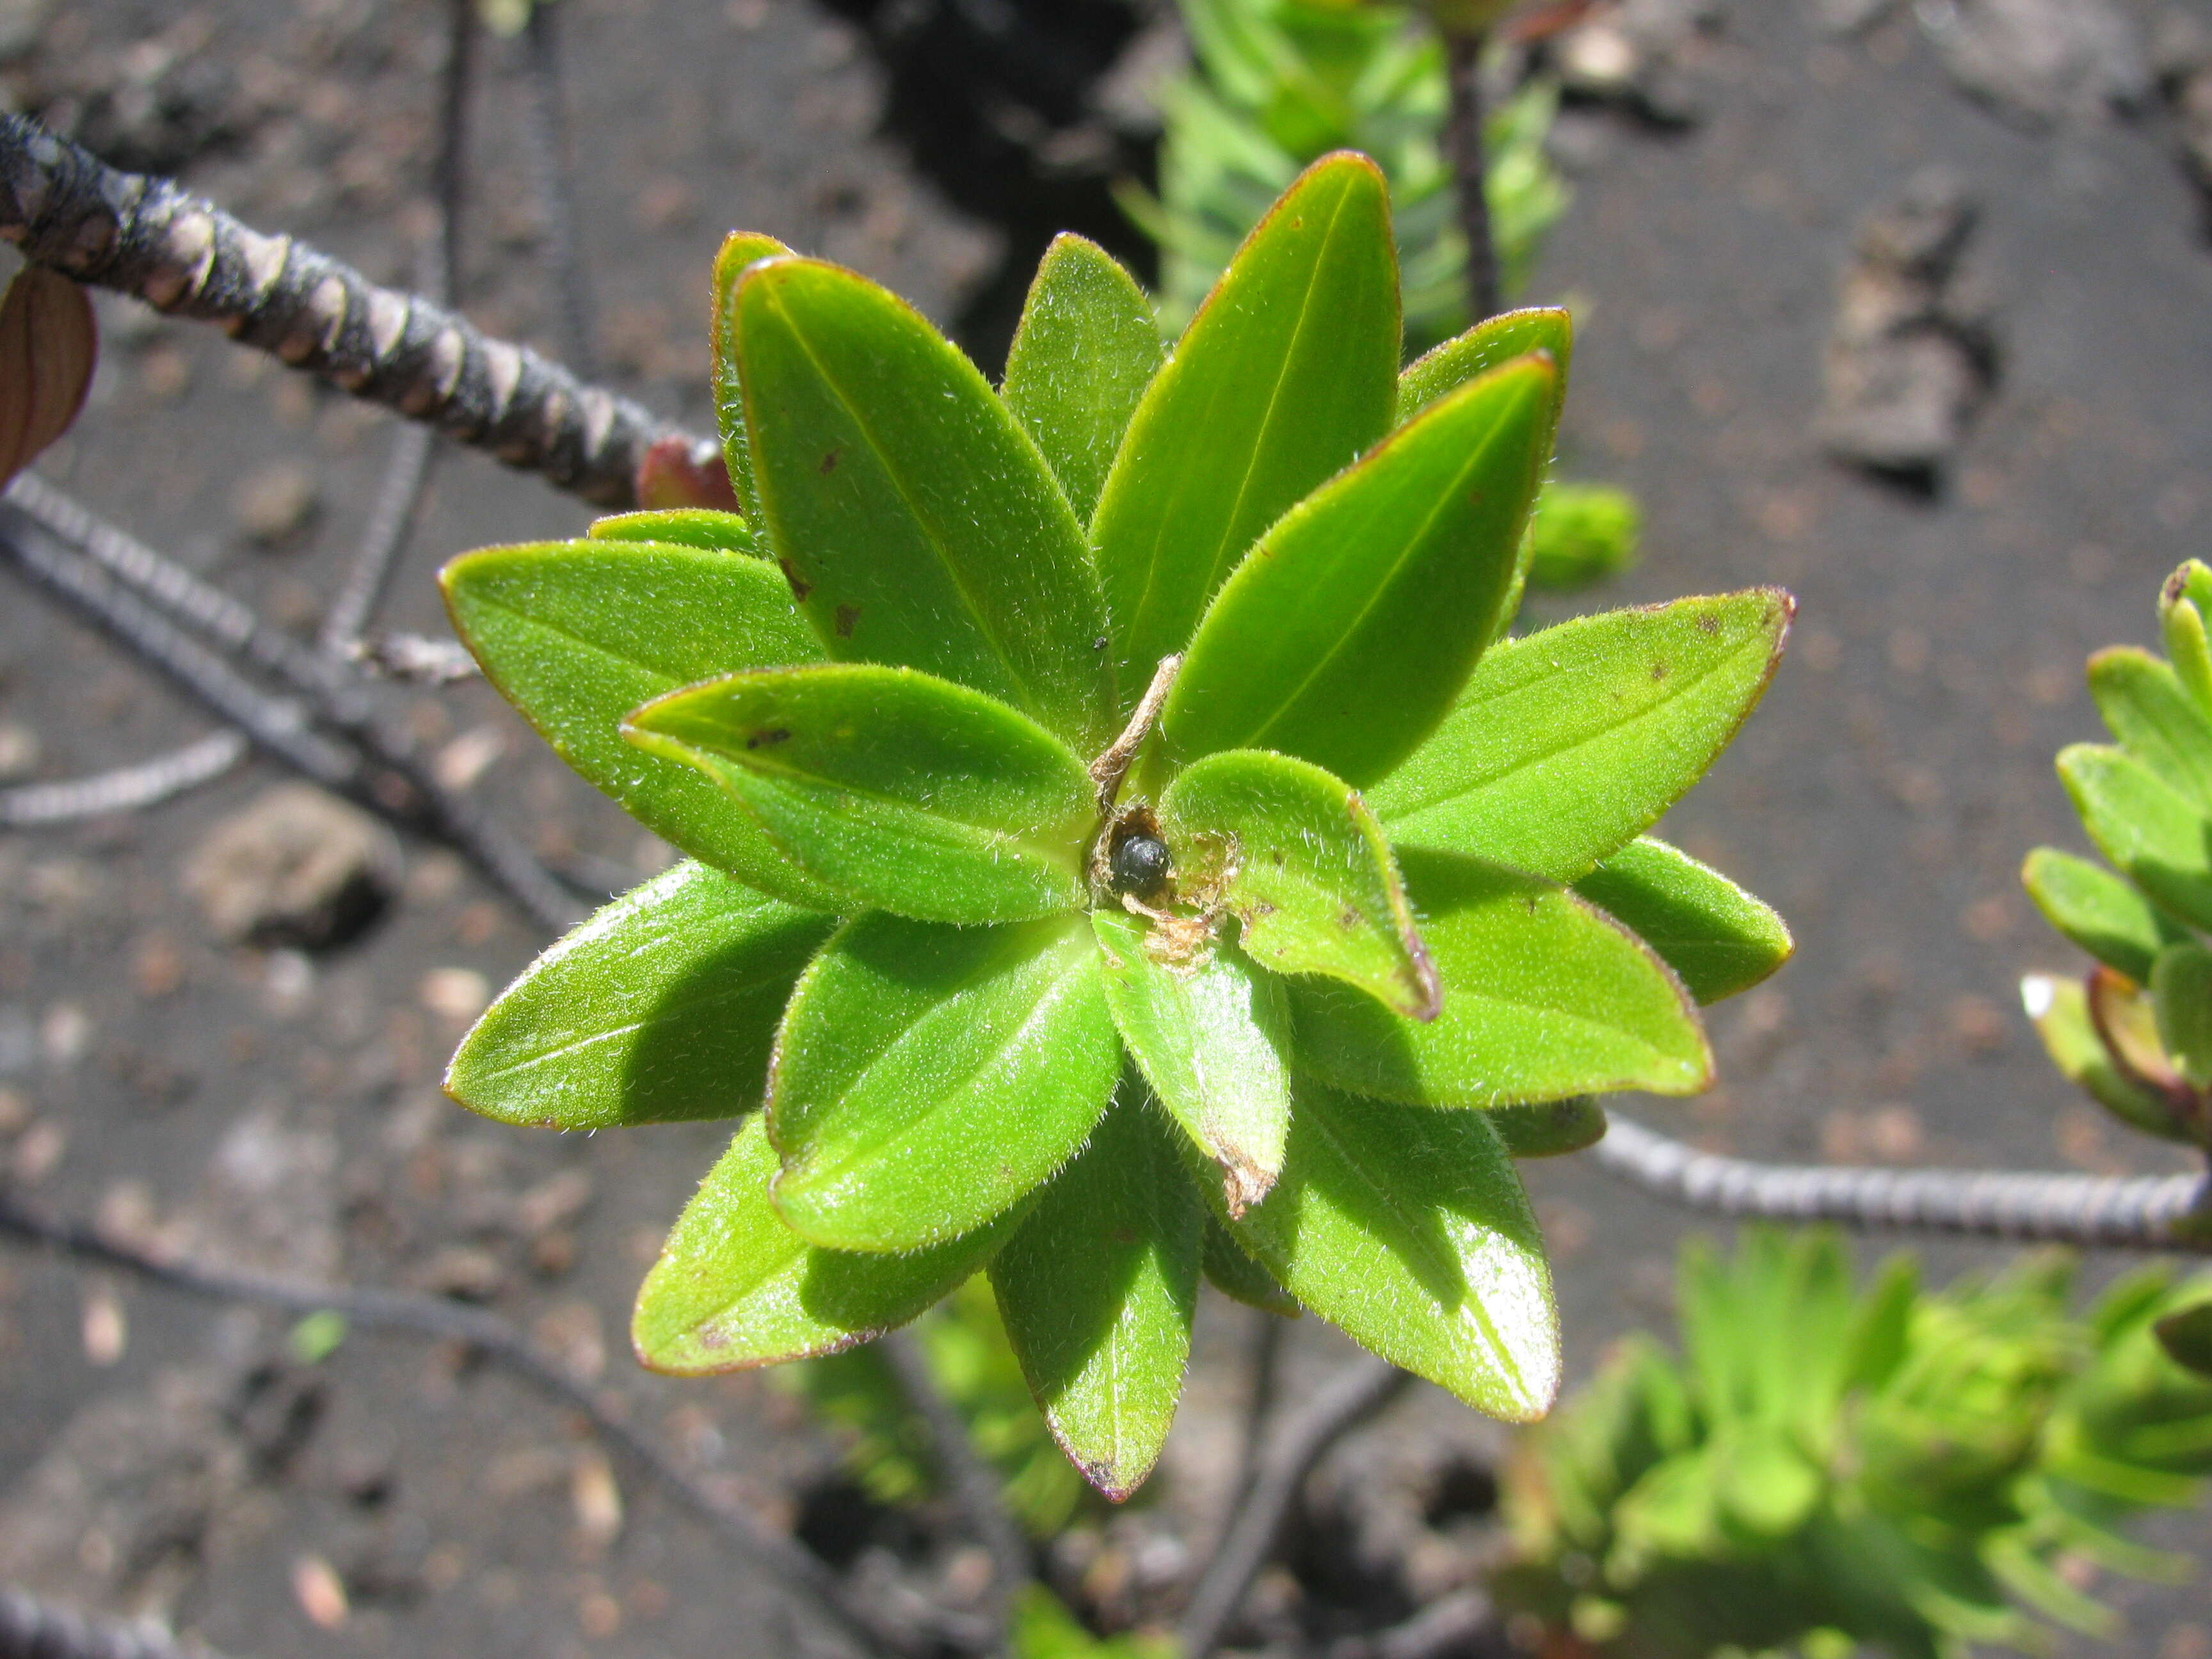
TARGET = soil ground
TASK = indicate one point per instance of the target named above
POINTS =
(283, 1110)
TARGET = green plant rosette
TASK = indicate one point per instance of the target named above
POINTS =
(1261, 985)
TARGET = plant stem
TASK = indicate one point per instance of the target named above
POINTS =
(1359, 1390)
(66, 209)
(125, 788)
(556, 186)
(1463, 147)
(486, 1333)
(2150, 1213)
(974, 1485)
(38, 1629)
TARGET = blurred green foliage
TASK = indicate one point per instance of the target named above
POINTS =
(1826, 1466)
(1580, 534)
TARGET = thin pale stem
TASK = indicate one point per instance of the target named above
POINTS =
(556, 186)
(1111, 767)
(2150, 1213)
(125, 788)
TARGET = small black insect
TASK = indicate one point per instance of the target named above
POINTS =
(1139, 863)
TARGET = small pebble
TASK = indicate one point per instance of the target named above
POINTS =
(277, 503)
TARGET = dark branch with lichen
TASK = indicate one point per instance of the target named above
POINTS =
(67, 209)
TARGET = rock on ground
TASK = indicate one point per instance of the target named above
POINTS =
(297, 867)
(2040, 61)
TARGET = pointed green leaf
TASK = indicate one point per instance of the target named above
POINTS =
(1344, 636)
(1716, 936)
(740, 250)
(2181, 990)
(2098, 911)
(1549, 1128)
(1489, 345)
(1239, 1278)
(684, 526)
(1097, 1287)
(660, 1007)
(735, 1288)
(1569, 743)
(1410, 1230)
(926, 1077)
(2060, 1010)
(1296, 857)
(1286, 373)
(914, 516)
(2187, 1337)
(1086, 349)
(911, 794)
(1212, 1038)
(2157, 721)
(2150, 833)
(1543, 996)
(577, 634)
(2181, 610)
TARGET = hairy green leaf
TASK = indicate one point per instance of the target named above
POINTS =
(926, 1077)
(1239, 1278)
(911, 794)
(1097, 1287)
(1296, 857)
(1549, 1128)
(1345, 634)
(2155, 720)
(2103, 914)
(1569, 743)
(1489, 345)
(1213, 1037)
(706, 527)
(1543, 996)
(577, 634)
(2181, 991)
(1286, 373)
(2148, 830)
(1086, 349)
(1410, 1230)
(740, 250)
(912, 514)
(660, 1007)
(1716, 936)
(734, 1287)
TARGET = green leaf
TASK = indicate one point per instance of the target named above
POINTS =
(2181, 991)
(1286, 373)
(914, 516)
(910, 792)
(740, 250)
(1489, 345)
(2187, 1337)
(1098, 1288)
(1543, 996)
(2151, 834)
(1717, 937)
(1410, 1230)
(1296, 857)
(1212, 1038)
(660, 1008)
(2157, 721)
(735, 1288)
(706, 527)
(2060, 1010)
(1086, 349)
(1344, 636)
(2181, 606)
(927, 1077)
(577, 634)
(1549, 1128)
(2098, 911)
(1568, 743)
(1580, 534)
(1236, 1276)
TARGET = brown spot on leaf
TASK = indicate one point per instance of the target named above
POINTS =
(1659, 671)
(770, 738)
(846, 616)
(830, 462)
(799, 586)
(1347, 918)
(1709, 623)
(1244, 1182)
